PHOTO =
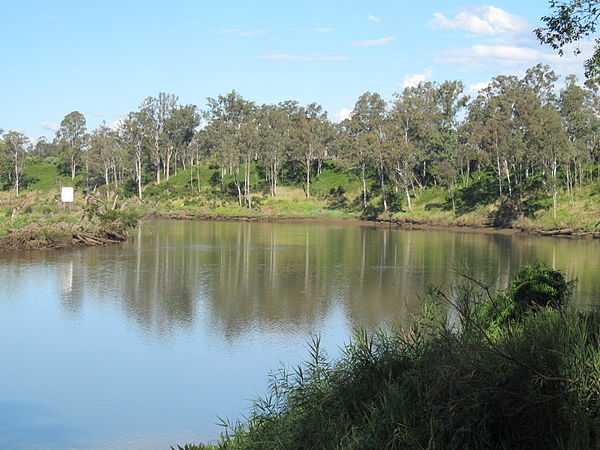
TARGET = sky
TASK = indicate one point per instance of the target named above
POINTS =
(104, 57)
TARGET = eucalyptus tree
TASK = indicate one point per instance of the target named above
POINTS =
(366, 132)
(102, 158)
(200, 149)
(449, 155)
(550, 137)
(311, 134)
(179, 132)
(581, 123)
(228, 118)
(273, 140)
(154, 114)
(15, 153)
(495, 128)
(133, 138)
(72, 139)
(413, 117)
(42, 148)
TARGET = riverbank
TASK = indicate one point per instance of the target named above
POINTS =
(38, 220)
(520, 369)
(406, 223)
(37, 237)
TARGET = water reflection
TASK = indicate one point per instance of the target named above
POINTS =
(236, 277)
(92, 339)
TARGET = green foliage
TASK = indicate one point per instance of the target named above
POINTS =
(126, 219)
(532, 383)
(537, 286)
(482, 190)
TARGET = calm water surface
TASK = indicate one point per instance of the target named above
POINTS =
(143, 345)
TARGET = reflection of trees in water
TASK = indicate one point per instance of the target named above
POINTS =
(248, 275)
(71, 289)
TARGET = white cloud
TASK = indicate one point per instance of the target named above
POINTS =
(486, 20)
(373, 18)
(514, 59)
(48, 125)
(476, 87)
(342, 114)
(374, 42)
(117, 123)
(316, 30)
(483, 55)
(283, 57)
(412, 80)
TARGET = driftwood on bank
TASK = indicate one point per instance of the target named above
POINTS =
(38, 237)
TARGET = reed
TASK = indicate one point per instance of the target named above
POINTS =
(526, 378)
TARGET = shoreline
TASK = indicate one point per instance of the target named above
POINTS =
(424, 226)
(38, 238)
(43, 238)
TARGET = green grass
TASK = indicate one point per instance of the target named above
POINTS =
(579, 210)
(486, 380)
(331, 179)
(44, 176)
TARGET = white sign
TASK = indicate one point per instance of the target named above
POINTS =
(66, 195)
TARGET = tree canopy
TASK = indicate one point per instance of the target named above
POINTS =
(569, 22)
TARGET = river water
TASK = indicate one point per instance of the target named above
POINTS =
(143, 345)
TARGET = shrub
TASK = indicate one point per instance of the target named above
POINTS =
(126, 219)
(532, 383)
(537, 286)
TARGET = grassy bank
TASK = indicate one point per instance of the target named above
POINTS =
(37, 219)
(516, 370)
(339, 195)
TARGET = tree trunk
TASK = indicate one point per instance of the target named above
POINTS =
(139, 177)
(307, 178)
(364, 185)
(407, 193)
(383, 196)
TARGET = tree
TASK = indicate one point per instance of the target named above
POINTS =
(104, 154)
(273, 140)
(179, 132)
(42, 148)
(570, 21)
(449, 101)
(133, 137)
(72, 138)
(366, 131)
(414, 117)
(581, 123)
(551, 141)
(155, 112)
(311, 133)
(14, 143)
(228, 121)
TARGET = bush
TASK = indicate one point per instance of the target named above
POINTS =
(532, 383)
(126, 219)
(538, 286)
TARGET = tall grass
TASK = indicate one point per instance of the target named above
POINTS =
(499, 376)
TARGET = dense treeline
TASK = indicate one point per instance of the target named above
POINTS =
(517, 136)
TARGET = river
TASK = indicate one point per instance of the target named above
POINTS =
(143, 345)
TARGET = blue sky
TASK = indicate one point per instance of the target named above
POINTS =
(103, 58)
